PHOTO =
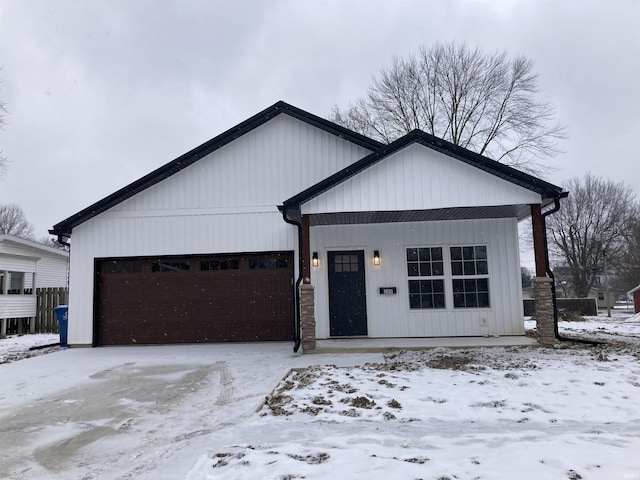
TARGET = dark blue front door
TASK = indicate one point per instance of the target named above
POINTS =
(347, 294)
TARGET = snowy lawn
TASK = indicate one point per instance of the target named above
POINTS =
(493, 413)
(17, 347)
(207, 412)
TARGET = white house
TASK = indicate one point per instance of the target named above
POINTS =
(290, 226)
(25, 266)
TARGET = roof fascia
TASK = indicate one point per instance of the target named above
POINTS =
(510, 174)
(65, 227)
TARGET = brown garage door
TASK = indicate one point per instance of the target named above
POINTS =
(195, 299)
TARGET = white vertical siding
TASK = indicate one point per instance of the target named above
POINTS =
(418, 178)
(261, 169)
(226, 202)
(389, 315)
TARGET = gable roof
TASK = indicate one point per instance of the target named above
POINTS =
(65, 227)
(547, 190)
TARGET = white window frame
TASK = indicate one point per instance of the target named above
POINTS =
(421, 276)
(472, 269)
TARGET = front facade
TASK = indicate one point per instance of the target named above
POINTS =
(414, 239)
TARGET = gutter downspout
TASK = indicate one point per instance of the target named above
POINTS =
(297, 337)
(553, 279)
(61, 240)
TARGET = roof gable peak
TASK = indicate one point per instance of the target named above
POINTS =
(64, 228)
(510, 174)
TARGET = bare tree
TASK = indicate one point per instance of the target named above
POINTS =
(13, 221)
(594, 218)
(627, 271)
(483, 102)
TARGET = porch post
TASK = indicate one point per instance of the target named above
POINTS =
(33, 320)
(538, 240)
(542, 285)
(305, 252)
(4, 285)
(307, 317)
(307, 300)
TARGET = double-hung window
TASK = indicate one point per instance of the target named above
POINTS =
(470, 276)
(425, 268)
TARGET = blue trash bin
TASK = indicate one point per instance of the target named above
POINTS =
(62, 314)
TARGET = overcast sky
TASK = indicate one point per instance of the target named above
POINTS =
(101, 92)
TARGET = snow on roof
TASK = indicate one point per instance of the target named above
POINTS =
(4, 237)
(633, 290)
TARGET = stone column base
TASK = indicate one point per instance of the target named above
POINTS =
(307, 317)
(543, 308)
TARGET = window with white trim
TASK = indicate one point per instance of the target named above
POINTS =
(470, 276)
(425, 268)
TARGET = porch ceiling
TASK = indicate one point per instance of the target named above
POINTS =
(458, 213)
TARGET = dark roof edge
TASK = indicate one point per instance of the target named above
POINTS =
(545, 189)
(65, 227)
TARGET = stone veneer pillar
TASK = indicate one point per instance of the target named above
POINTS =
(307, 317)
(545, 320)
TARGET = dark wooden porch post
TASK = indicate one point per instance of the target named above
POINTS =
(538, 240)
(305, 253)
(542, 286)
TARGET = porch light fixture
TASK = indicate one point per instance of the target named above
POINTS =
(376, 257)
(314, 259)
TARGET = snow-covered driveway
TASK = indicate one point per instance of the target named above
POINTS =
(133, 412)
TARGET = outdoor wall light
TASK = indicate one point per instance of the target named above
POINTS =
(314, 259)
(376, 257)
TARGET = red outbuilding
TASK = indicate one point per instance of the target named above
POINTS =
(636, 298)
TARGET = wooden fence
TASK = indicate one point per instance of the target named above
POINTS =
(48, 298)
(45, 320)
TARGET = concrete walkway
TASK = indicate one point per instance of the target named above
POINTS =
(383, 345)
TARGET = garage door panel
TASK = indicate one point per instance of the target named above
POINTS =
(196, 299)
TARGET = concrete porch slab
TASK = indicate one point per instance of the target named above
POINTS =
(382, 345)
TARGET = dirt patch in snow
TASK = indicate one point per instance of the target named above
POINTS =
(15, 356)
(328, 389)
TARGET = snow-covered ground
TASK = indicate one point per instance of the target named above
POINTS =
(200, 412)
(17, 347)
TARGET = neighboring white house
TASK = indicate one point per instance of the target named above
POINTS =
(25, 266)
(413, 239)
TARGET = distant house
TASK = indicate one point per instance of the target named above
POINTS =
(597, 292)
(563, 291)
(635, 293)
(26, 266)
(290, 227)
